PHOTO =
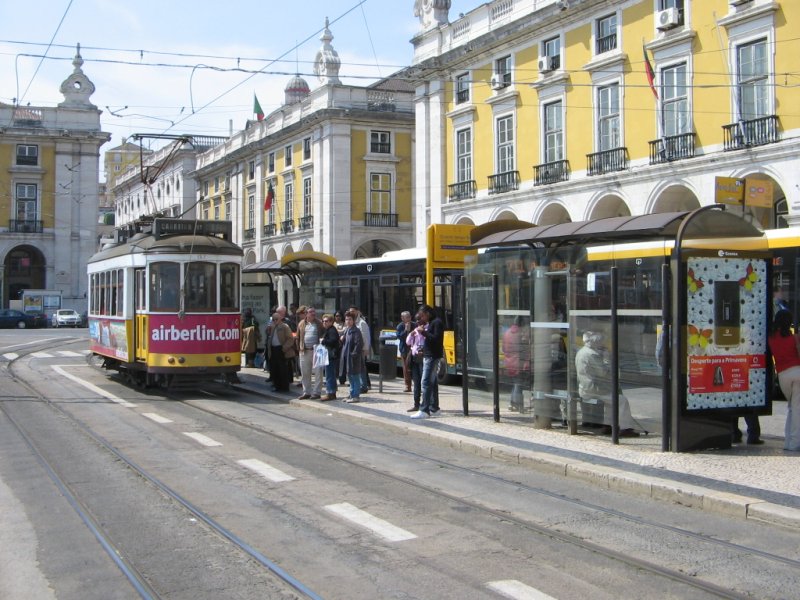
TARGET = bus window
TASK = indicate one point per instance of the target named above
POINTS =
(229, 287)
(201, 287)
(164, 286)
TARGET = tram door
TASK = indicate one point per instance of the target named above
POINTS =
(140, 316)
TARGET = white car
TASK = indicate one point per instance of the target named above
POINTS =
(66, 317)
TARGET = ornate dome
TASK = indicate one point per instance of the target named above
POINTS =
(296, 90)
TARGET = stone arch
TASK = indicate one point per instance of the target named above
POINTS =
(271, 255)
(249, 257)
(24, 268)
(463, 220)
(307, 246)
(504, 213)
(673, 197)
(553, 214)
(777, 215)
(374, 248)
(610, 204)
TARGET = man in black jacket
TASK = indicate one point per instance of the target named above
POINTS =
(431, 328)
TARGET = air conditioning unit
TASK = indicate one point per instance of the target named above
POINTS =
(667, 19)
(497, 82)
(545, 64)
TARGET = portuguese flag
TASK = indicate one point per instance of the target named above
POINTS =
(257, 108)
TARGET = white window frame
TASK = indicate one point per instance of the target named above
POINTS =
(381, 137)
(687, 126)
(763, 106)
(558, 104)
(385, 198)
(29, 153)
(251, 211)
(464, 166)
(26, 204)
(288, 200)
(505, 154)
(596, 37)
(547, 45)
(506, 63)
(610, 117)
(288, 158)
(461, 87)
(307, 198)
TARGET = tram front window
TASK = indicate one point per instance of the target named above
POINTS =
(201, 287)
(229, 287)
(164, 286)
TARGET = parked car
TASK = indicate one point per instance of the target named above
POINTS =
(66, 317)
(39, 319)
(16, 318)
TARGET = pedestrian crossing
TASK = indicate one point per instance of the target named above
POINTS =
(54, 354)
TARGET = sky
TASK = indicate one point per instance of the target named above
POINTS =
(179, 66)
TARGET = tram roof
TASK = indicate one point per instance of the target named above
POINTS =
(143, 243)
(717, 224)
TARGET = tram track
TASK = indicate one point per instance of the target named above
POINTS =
(504, 515)
(112, 547)
(500, 514)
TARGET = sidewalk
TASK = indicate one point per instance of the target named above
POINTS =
(752, 482)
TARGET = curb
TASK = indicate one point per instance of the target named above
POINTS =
(610, 478)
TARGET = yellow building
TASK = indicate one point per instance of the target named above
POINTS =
(545, 110)
(329, 171)
(49, 193)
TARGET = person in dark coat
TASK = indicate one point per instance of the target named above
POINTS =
(351, 359)
(331, 341)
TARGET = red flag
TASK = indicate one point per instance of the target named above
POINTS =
(257, 108)
(648, 71)
(270, 197)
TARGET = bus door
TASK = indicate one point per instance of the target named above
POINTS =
(140, 316)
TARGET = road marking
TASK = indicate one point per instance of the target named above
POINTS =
(265, 470)
(41, 355)
(203, 439)
(377, 526)
(69, 353)
(11, 356)
(516, 590)
(156, 417)
(92, 387)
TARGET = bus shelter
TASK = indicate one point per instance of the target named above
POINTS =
(542, 301)
(265, 285)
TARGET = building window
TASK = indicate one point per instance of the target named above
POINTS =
(216, 184)
(502, 69)
(676, 4)
(505, 144)
(26, 202)
(380, 193)
(307, 148)
(674, 101)
(551, 50)
(117, 168)
(608, 120)
(752, 75)
(287, 156)
(251, 211)
(306, 196)
(205, 188)
(251, 170)
(553, 132)
(227, 182)
(380, 142)
(27, 155)
(216, 211)
(288, 201)
(464, 155)
(606, 34)
(228, 210)
(271, 162)
(462, 88)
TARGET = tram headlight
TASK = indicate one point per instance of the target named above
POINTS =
(171, 360)
(181, 360)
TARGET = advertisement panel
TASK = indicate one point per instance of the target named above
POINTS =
(109, 336)
(727, 307)
(194, 334)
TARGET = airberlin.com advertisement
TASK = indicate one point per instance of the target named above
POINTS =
(727, 307)
(194, 334)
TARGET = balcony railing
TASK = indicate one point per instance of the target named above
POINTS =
(307, 222)
(607, 161)
(754, 132)
(25, 226)
(380, 147)
(673, 147)
(269, 229)
(380, 219)
(606, 43)
(504, 182)
(250, 234)
(462, 96)
(551, 172)
(287, 226)
(463, 190)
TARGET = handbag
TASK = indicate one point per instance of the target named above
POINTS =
(320, 357)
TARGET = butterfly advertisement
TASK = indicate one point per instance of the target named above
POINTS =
(727, 307)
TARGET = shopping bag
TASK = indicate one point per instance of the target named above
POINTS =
(320, 357)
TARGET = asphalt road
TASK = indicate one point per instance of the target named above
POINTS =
(203, 491)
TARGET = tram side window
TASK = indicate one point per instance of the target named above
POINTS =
(141, 288)
(164, 286)
(201, 287)
(229, 287)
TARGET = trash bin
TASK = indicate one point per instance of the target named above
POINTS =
(388, 356)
